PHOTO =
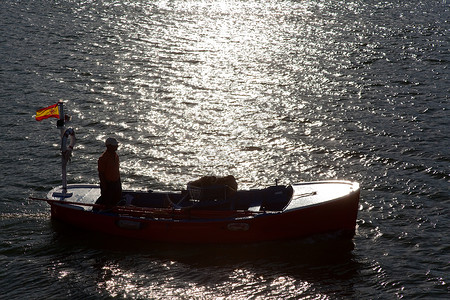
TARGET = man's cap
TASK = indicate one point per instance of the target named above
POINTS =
(111, 142)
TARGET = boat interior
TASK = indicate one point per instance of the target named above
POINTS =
(219, 197)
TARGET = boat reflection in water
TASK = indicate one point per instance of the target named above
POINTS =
(151, 269)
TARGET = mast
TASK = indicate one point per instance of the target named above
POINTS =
(61, 127)
(66, 150)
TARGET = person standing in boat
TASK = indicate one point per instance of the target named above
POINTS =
(108, 172)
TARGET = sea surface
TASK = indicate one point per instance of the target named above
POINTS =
(264, 90)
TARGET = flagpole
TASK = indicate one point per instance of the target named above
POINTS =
(60, 125)
(57, 111)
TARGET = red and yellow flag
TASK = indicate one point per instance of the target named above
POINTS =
(48, 112)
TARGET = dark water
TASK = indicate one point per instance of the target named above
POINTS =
(263, 90)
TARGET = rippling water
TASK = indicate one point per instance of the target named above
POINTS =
(263, 90)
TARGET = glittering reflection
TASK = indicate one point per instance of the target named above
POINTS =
(180, 280)
(115, 281)
(108, 267)
(190, 97)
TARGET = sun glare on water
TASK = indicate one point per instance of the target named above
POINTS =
(208, 95)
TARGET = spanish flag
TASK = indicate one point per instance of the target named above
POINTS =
(48, 112)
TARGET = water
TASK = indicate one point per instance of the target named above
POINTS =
(263, 90)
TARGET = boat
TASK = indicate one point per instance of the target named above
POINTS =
(279, 212)
(212, 213)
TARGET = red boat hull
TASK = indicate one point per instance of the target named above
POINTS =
(177, 226)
